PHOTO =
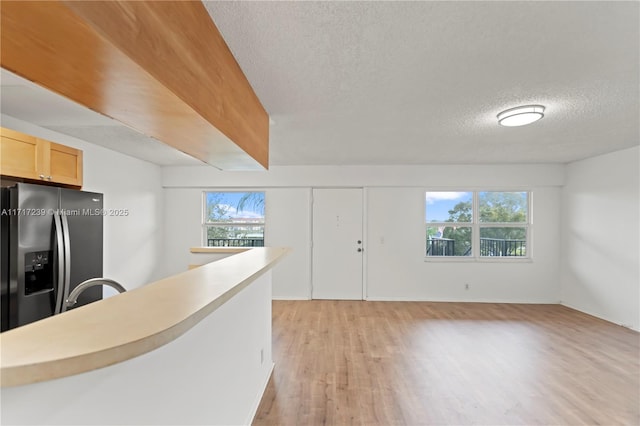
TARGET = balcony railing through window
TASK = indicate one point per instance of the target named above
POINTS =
(500, 247)
(235, 242)
(441, 247)
(488, 247)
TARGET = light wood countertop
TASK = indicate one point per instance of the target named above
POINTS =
(129, 324)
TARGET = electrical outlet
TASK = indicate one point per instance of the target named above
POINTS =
(261, 356)
(466, 286)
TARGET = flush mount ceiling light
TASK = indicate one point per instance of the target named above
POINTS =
(519, 116)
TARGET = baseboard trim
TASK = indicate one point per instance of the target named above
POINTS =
(289, 298)
(435, 299)
(629, 326)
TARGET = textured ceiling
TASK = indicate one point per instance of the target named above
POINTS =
(409, 82)
(422, 82)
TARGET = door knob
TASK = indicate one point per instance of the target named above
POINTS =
(359, 250)
(359, 242)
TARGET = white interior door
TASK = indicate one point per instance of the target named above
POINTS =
(337, 244)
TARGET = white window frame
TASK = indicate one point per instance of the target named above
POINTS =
(206, 224)
(476, 225)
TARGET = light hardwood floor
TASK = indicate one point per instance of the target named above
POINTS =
(418, 363)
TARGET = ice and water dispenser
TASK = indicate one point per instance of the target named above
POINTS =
(38, 272)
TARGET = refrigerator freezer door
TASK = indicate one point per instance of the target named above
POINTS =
(32, 271)
(4, 258)
(83, 213)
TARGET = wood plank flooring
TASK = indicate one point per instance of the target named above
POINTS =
(422, 363)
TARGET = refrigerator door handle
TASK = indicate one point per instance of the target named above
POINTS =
(60, 255)
(67, 260)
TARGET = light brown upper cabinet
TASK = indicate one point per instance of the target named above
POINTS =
(27, 157)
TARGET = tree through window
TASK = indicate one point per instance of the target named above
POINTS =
(233, 219)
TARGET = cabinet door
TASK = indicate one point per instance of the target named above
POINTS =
(65, 164)
(21, 155)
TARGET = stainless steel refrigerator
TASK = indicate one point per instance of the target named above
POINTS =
(51, 242)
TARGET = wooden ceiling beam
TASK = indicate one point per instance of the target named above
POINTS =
(159, 67)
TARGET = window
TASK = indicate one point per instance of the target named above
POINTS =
(482, 224)
(449, 220)
(233, 219)
(503, 223)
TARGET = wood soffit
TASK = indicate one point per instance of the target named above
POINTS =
(161, 68)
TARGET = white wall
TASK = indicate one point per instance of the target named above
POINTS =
(214, 374)
(396, 269)
(601, 215)
(132, 244)
(395, 210)
(360, 176)
(287, 224)
(182, 227)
